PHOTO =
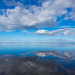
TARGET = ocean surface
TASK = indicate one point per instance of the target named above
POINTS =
(13, 49)
(37, 59)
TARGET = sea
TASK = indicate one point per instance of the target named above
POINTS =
(37, 59)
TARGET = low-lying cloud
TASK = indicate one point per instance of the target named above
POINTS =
(65, 31)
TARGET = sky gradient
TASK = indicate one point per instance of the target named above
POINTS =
(35, 20)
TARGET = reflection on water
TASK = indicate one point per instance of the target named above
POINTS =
(60, 54)
(37, 59)
(34, 65)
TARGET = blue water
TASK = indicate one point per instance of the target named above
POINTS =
(19, 49)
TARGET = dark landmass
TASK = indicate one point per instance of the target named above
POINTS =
(18, 65)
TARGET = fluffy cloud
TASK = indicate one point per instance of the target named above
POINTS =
(35, 17)
(65, 31)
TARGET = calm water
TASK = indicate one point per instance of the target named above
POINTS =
(18, 49)
(37, 59)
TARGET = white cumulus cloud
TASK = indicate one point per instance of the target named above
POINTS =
(35, 17)
(65, 31)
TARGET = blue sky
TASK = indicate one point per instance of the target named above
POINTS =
(31, 20)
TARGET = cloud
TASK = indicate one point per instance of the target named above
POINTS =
(65, 31)
(12, 3)
(71, 16)
(23, 2)
(21, 18)
(35, 17)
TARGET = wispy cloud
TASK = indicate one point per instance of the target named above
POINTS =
(12, 3)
